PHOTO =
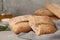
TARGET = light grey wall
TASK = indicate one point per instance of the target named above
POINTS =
(0, 6)
(20, 7)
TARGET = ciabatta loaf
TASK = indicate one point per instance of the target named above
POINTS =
(20, 24)
(42, 25)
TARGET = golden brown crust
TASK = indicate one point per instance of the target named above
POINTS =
(40, 23)
(21, 27)
(20, 24)
(45, 29)
(40, 20)
(43, 12)
(54, 8)
(19, 19)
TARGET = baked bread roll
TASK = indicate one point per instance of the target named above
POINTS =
(41, 25)
(20, 24)
(40, 20)
(45, 29)
(43, 12)
(54, 8)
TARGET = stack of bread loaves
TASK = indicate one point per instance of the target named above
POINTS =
(51, 10)
(45, 12)
(40, 23)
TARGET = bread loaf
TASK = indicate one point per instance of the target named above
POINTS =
(42, 25)
(43, 12)
(54, 8)
(20, 24)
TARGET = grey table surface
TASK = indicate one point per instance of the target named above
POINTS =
(8, 35)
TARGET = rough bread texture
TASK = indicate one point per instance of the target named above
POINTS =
(54, 8)
(20, 24)
(43, 12)
(42, 25)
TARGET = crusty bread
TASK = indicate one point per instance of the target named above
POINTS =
(41, 25)
(43, 12)
(45, 29)
(19, 19)
(40, 20)
(20, 24)
(54, 8)
(21, 27)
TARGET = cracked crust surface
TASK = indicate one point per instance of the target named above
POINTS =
(20, 24)
(42, 25)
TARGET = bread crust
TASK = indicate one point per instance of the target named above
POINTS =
(54, 8)
(54, 18)
(45, 29)
(40, 20)
(20, 24)
(43, 12)
(40, 23)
